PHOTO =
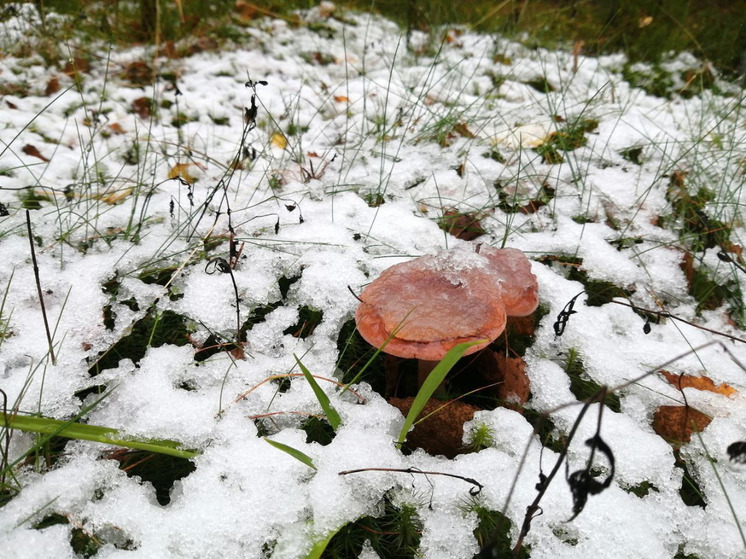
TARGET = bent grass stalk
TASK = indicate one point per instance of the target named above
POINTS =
(331, 414)
(431, 384)
(95, 433)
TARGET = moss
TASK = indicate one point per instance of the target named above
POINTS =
(582, 386)
(318, 431)
(568, 138)
(159, 469)
(598, 292)
(373, 199)
(493, 529)
(153, 330)
(180, 119)
(632, 154)
(541, 85)
(481, 437)
(642, 489)
(354, 354)
(30, 200)
(395, 534)
(544, 427)
(308, 320)
(653, 80)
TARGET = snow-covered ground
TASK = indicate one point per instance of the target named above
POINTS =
(350, 114)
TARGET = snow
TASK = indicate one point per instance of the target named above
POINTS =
(374, 119)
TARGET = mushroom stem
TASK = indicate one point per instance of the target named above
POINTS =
(424, 368)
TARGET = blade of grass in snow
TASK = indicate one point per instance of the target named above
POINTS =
(331, 414)
(432, 383)
(96, 433)
(294, 452)
(320, 545)
(711, 461)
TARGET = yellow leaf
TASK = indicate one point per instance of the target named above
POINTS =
(700, 383)
(279, 140)
(182, 170)
(117, 196)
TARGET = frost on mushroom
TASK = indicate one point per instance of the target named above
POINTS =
(432, 303)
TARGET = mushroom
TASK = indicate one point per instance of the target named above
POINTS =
(428, 305)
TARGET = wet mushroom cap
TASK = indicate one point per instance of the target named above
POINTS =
(436, 302)
(520, 292)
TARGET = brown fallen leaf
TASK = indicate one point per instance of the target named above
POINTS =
(341, 99)
(138, 73)
(28, 149)
(676, 424)
(75, 66)
(443, 431)
(143, 107)
(462, 129)
(515, 388)
(698, 382)
(465, 226)
(116, 128)
(53, 86)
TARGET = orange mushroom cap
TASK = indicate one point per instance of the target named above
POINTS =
(520, 291)
(432, 303)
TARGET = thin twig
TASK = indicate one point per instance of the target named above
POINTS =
(5, 446)
(666, 314)
(534, 509)
(38, 288)
(359, 397)
(474, 490)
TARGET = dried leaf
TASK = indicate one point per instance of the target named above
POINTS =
(138, 73)
(53, 86)
(515, 388)
(143, 107)
(279, 140)
(116, 197)
(464, 226)
(677, 423)
(644, 21)
(442, 432)
(182, 170)
(687, 266)
(463, 130)
(28, 149)
(341, 99)
(246, 11)
(698, 382)
(116, 128)
(76, 65)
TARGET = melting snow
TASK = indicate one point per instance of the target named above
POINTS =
(385, 140)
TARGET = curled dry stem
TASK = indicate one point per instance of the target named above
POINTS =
(359, 397)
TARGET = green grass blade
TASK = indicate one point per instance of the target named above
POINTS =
(320, 545)
(99, 434)
(331, 414)
(294, 452)
(432, 383)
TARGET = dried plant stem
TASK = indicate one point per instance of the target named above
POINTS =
(5, 445)
(38, 288)
(534, 509)
(666, 314)
(474, 490)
